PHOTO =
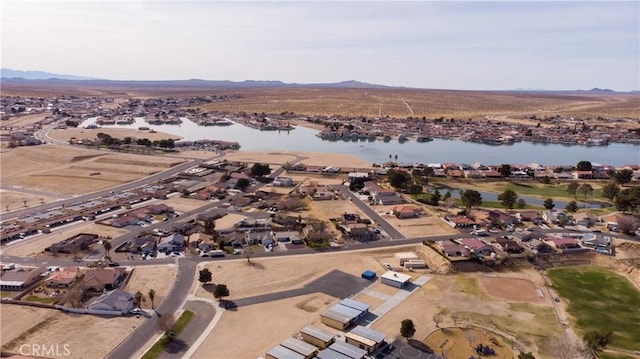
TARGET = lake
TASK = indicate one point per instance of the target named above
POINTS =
(436, 151)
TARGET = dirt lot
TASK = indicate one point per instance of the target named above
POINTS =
(158, 278)
(460, 343)
(182, 204)
(36, 245)
(26, 325)
(511, 289)
(465, 300)
(73, 171)
(425, 225)
(310, 158)
(14, 200)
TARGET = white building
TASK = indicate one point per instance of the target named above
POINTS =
(395, 279)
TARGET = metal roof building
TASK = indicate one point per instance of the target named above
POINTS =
(365, 338)
(280, 352)
(395, 279)
(317, 336)
(363, 307)
(348, 350)
(300, 347)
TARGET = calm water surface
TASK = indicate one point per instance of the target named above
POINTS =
(436, 151)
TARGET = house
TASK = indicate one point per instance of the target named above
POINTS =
(539, 246)
(364, 338)
(509, 246)
(285, 236)
(20, 278)
(500, 217)
(203, 241)
(103, 278)
(476, 246)
(116, 300)
(64, 278)
(451, 249)
(309, 188)
(563, 243)
(582, 174)
(459, 221)
(358, 177)
(75, 244)
(406, 211)
(159, 208)
(592, 240)
(585, 219)
(395, 279)
(529, 216)
(387, 197)
(174, 242)
(252, 238)
(317, 336)
(360, 232)
(323, 195)
(141, 245)
(280, 181)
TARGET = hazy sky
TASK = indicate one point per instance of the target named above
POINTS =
(428, 44)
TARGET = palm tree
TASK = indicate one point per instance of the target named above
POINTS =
(595, 343)
(107, 247)
(139, 298)
(152, 297)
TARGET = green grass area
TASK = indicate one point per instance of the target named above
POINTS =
(469, 286)
(158, 348)
(601, 300)
(33, 298)
(529, 189)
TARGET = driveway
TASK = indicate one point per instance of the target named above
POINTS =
(203, 314)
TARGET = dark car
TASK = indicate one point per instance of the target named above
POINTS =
(113, 264)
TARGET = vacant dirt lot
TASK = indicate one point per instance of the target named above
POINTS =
(182, 204)
(26, 325)
(69, 170)
(158, 278)
(14, 199)
(426, 224)
(511, 289)
(308, 158)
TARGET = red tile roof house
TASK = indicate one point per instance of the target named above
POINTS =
(406, 211)
(64, 278)
(563, 244)
(459, 221)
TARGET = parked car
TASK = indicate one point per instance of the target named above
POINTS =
(113, 264)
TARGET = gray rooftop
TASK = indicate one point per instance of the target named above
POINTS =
(331, 354)
(299, 346)
(316, 332)
(341, 313)
(368, 333)
(348, 350)
(355, 304)
(281, 352)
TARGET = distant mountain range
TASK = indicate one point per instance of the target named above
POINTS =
(9, 75)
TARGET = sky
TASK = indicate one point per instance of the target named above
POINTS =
(469, 45)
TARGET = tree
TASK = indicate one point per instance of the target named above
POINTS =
(220, 291)
(437, 318)
(205, 276)
(139, 298)
(628, 200)
(508, 198)
(209, 226)
(572, 189)
(595, 343)
(107, 247)
(585, 189)
(407, 328)
(152, 296)
(398, 178)
(623, 176)
(571, 207)
(165, 323)
(548, 204)
(520, 203)
(471, 198)
(243, 184)
(248, 253)
(610, 191)
(505, 170)
(260, 170)
(415, 189)
(584, 166)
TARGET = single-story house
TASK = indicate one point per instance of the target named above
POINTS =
(360, 232)
(406, 211)
(116, 300)
(104, 278)
(477, 246)
(509, 246)
(174, 242)
(19, 278)
(64, 278)
(451, 249)
(252, 238)
(285, 236)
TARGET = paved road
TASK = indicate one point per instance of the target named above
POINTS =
(203, 314)
(381, 222)
(171, 304)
